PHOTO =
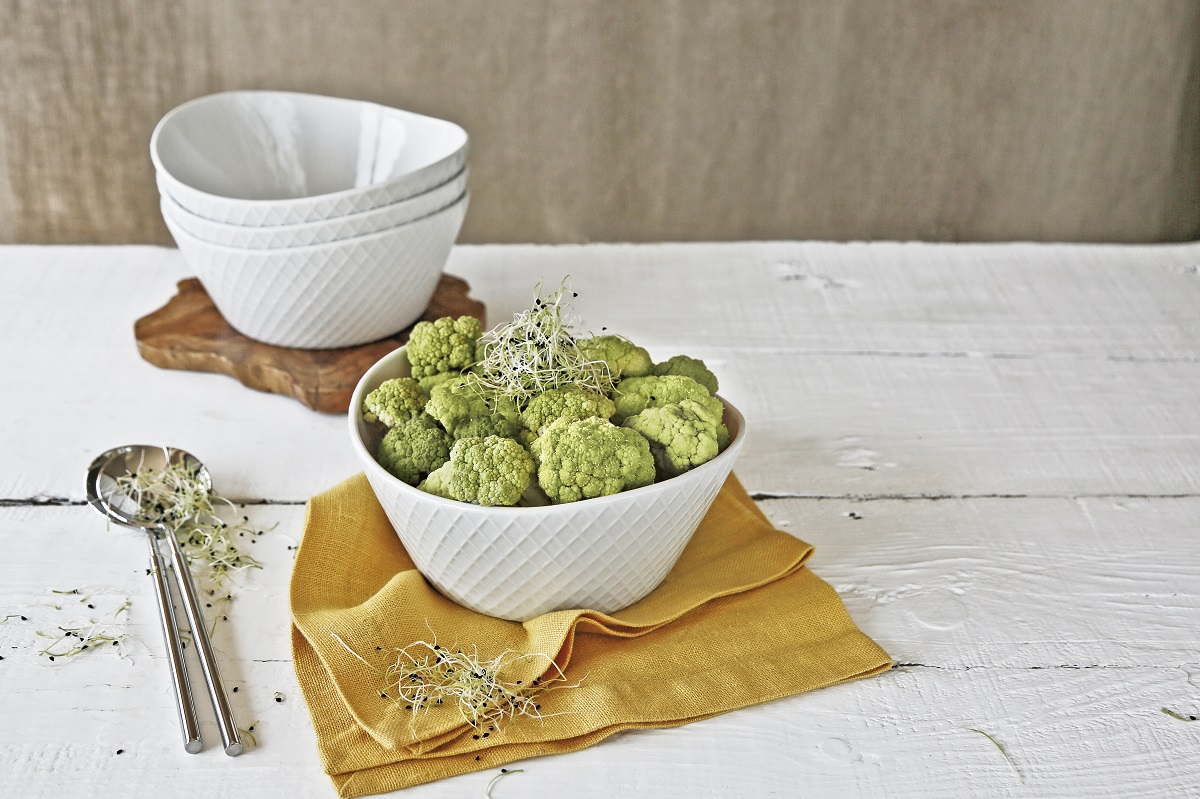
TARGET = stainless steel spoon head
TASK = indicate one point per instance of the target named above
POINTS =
(105, 493)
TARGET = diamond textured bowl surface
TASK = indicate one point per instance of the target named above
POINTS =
(278, 158)
(340, 294)
(603, 554)
(318, 232)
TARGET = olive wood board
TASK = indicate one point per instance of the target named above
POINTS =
(189, 333)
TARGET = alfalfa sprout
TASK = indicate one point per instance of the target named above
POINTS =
(537, 351)
(425, 675)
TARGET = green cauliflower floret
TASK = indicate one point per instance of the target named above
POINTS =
(480, 354)
(682, 436)
(571, 402)
(483, 426)
(688, 367)
(624, 358)
(429, 382)
(414, 448)
(488, 471)
(443, 345)
(587, 458)
(394, 402)
(455, 401)
(438, 481)
(636, 394)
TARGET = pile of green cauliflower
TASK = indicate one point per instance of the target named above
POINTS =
(448, 437)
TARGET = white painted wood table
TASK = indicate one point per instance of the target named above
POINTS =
(995, 450)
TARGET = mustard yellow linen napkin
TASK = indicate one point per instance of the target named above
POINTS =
(738, 621)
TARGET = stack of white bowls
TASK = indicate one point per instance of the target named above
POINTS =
(311, 221)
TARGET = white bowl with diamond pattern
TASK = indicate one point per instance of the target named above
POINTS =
(339, 294)
(278, 158)
(318, 232)
(602, 554)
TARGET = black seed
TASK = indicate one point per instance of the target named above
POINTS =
(251, 726)
(208, 604)
(93, 607)
(476, 757)
(52, 657)
(475, 737)
(235, 689)
(120, 751)
(26, 618)
(503, 771)
(279, 699)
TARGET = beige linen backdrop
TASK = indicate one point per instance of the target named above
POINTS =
(632, 120)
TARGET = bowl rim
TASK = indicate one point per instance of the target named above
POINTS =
(177, 230)
(177, 209)
(729, 454)
(308, 199)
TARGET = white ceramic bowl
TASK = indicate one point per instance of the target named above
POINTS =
(320, 231)
(603, 554)
(277, 158)
(339, 294)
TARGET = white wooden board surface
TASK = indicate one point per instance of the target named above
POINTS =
(1014, 426)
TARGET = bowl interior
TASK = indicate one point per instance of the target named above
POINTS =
(281, 145)
(366, 437)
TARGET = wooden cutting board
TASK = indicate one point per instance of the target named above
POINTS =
(189, 333)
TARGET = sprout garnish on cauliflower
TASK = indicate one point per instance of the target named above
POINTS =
(532, 414)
